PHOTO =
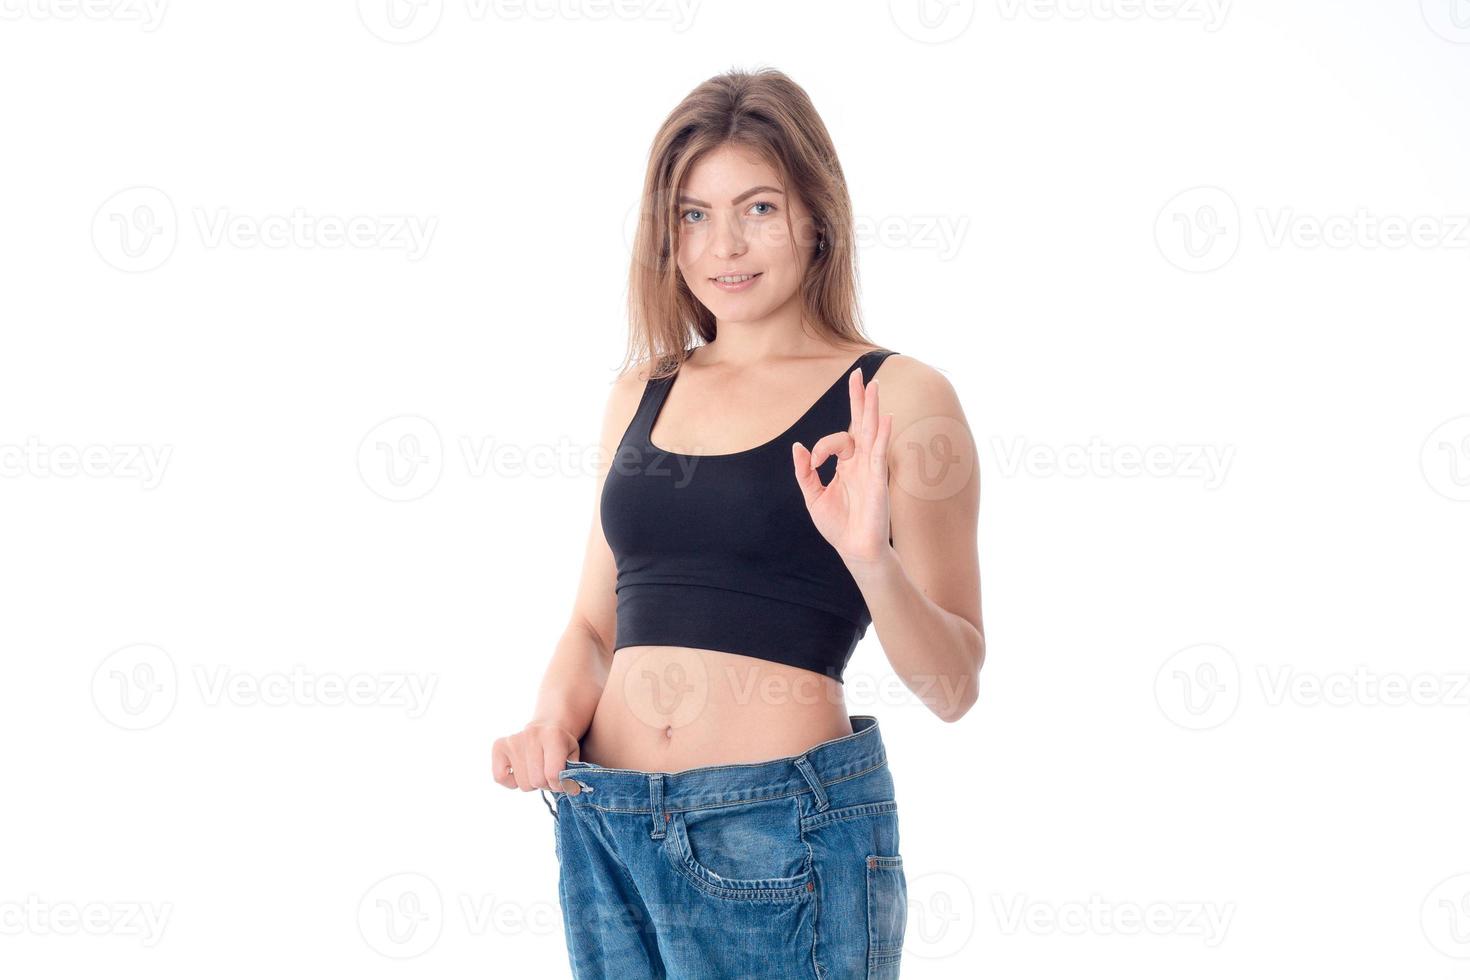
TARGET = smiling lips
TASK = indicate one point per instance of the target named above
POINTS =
(736, 282)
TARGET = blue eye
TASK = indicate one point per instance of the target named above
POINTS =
(771, 209)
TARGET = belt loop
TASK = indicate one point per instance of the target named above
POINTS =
(656, 795)
(810, 773)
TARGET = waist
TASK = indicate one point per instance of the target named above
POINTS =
(667, 708)
(825, 763)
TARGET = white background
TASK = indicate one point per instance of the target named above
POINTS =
(1190, 712)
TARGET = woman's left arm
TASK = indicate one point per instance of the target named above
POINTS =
(912, 471)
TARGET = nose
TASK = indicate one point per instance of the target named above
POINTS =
(728, 240)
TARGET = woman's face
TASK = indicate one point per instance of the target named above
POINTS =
(735, 218)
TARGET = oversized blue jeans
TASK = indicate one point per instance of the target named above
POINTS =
(778, 869)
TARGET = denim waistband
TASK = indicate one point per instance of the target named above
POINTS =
(635, 790)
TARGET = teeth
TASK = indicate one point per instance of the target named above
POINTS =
(732, 279)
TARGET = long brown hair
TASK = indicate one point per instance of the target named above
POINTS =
(766, 112)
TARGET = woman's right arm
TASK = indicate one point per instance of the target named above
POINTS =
(579, 666)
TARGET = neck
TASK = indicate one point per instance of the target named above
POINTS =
(779, 336)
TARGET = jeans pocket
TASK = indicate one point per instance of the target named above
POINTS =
(887, 914)
(751, 851)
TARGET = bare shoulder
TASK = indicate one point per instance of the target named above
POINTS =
(630, 380)
(911, 390)
(932, 454)
(623, 397)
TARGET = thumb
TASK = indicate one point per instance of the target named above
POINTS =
(574, 754)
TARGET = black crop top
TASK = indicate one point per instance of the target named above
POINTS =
(718, 552)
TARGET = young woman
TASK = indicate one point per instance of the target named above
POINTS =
(718, 812)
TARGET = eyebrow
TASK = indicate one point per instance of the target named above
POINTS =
(685, 199)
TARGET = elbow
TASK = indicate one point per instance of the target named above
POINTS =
(967, 691)
(964, 700)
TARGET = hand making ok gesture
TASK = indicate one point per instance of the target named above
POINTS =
(851, 512)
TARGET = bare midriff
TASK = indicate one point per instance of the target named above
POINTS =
(666, 709)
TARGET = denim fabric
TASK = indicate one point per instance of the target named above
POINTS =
(779, 869)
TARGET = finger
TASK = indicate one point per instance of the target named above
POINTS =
(535, 769)
(879, 455)
(870, 417)
(552, 765)
(855, 400)
(520, 767)
(839, 444)
(807, 479)
(500, 764)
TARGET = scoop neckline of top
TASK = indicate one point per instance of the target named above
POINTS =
(648, 432)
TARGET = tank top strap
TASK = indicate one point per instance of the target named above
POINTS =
(655, 390)
(871, 361)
